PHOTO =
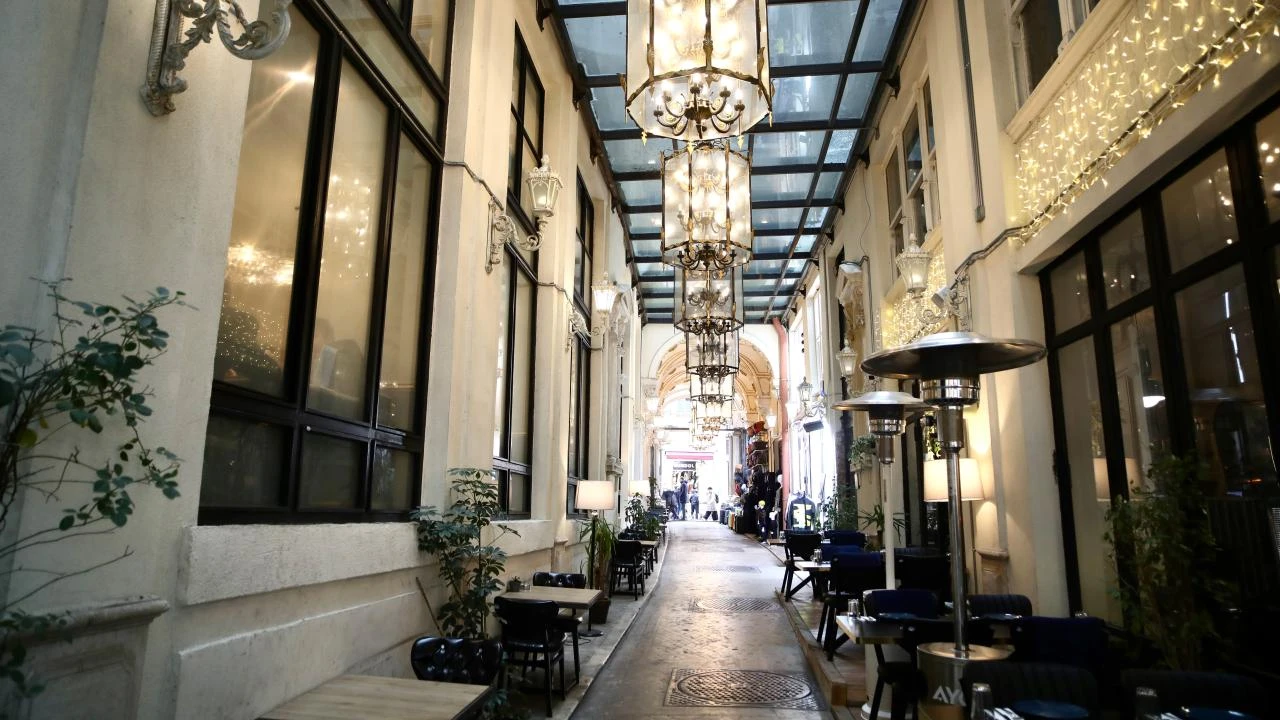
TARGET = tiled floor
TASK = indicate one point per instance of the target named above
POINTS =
(706, 622)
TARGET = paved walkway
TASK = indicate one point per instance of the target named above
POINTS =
(712, 642)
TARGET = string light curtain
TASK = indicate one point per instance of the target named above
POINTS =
(697, 69)
(711, 355)
(708, 301)
(706, 208)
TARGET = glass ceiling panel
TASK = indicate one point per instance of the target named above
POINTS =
(857, 95)
(647, 248)
(815, 217)
(842, 142)
(642, 192)
(810, 33)
(795, 266)
(611, 113)
(648, 268)
(804, 98)
(765, 188)
(633, 155)
(765, 244)
(805, 244)
(786, 148)
(766, 284)
(660, 286)
(828, 183)
(600, 43)
(873, 41)
(659, 303)
(779, 217)
(644, 222)
(766, 266)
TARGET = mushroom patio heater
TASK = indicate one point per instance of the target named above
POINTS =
(948, 365)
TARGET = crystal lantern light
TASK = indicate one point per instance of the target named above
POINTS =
(711, 355)
(708, 301)
(706, 208)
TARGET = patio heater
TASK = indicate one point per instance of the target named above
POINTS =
(594, 495)
(948, 365)
(887, 414)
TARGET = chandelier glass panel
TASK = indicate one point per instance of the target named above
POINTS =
(711, 355)
(708, 301)
(697, 69)
(707, 390)
(706, 207)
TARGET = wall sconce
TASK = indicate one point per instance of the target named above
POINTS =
(168, 54)
(544, 189)
(603, 294)
(913, 263)
(810, 404)
(848, 360)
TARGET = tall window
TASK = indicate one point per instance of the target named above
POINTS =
(586, 235)
(1162, 334)
(910, 176)
(580, 361)
(513, 412)
(1039, 27)
(316, 408)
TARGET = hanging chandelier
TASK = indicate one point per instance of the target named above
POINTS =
(697, 69)
(708, 301)
(706, 207)
(711, 355)
(711, 390)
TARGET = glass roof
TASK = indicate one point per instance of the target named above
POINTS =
(828, 60)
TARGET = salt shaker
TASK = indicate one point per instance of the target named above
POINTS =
(982, 703)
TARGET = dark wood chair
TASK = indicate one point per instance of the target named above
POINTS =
(628, 563)
(568, 620)
(1012, 682)
(529, 628)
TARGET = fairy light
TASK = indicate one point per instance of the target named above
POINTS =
(904, 319)
(1155, 59)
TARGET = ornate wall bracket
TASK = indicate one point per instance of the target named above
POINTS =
(170, 46)
(502, 230)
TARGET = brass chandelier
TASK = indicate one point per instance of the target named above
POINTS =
(711, 355)
(706, 207)
(697, 69)
(708, 301)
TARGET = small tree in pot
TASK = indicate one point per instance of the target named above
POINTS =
(598, 561)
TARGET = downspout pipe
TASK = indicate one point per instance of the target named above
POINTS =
(979, 197)
(784, 390)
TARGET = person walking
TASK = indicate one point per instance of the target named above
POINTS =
(712, 502)
(693, 501)
(682, 497)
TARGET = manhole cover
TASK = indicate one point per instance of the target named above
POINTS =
(733, 605)
(728, 568)
(739, 688)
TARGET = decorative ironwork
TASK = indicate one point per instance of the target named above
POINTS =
(708, 301)
(706, 208)
(170, 46)
(711, 354)
(695, 70)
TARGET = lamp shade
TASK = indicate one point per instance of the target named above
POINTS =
(935, 480)
(638, 487)
(595, 494)
(604, 293)
(544, 188)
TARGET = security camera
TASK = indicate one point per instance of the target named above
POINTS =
(941, 298)
(850, 267)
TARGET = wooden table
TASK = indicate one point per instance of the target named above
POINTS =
(871, 631)
(364, 697)
(578, 599)
(649, 543)
(816, 574)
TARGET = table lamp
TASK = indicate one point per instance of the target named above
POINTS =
(948, 365)
(594, 495)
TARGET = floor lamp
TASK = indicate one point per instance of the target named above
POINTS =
(594, 496)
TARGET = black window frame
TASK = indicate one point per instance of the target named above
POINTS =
(504, 467)
(1254, 254)
(290, 413)
(525, 68)
(401, 24)
(579, 407)
(585, 235)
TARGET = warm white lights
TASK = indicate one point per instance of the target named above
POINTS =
(708, 300)
(913, 264)
(604, 293)
(935, 480)
(848, 360)
(706, 208)
(697, 69)
(711, 355)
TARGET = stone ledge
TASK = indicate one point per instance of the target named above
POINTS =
(101, 616)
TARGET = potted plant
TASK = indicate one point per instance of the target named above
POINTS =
(598, 563)
(874, 518)
(1162, 536)
(862, 452)
(469, 566)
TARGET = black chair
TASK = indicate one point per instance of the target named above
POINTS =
(628, 562)
(923, 569)
(568, 620)
(529, 627)
(1077, 641)
(798, 546)
(902, 675)
(981, 605)
(846, 537)
(850, 576)
(1179, 689)
(456, 660)
(1012, 682)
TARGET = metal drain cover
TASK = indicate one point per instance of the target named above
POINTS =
(728, 568)
(733, 605)
(739, 688)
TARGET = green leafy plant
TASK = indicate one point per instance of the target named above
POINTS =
(83, 375)
(605, 539)
(469, 566)
(840, 513)
(862, 451)
(874, 519)
(1163, 535)
(635, 510)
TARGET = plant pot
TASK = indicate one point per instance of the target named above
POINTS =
(599, 612)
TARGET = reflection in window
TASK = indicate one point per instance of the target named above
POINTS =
(1038, 29)
(1070, 293)
(1199, 212)
(1140, 389)
(1223, 379)
(1090, 493)
(243, 462)
(1124, 260)
(1268, 134)
(429, 28)
(331, 470)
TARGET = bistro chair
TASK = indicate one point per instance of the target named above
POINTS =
(1178, 689)
(456, 660)
(798, 546)
(983, 605)
(1077, 641)
(923, 569)
(850, 576)
(847, 537)
(568, 620)
(529, 627)
(1015, 682)
(922, 626)
(628, 562)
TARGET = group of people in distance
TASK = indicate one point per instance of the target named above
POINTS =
(684, 499)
